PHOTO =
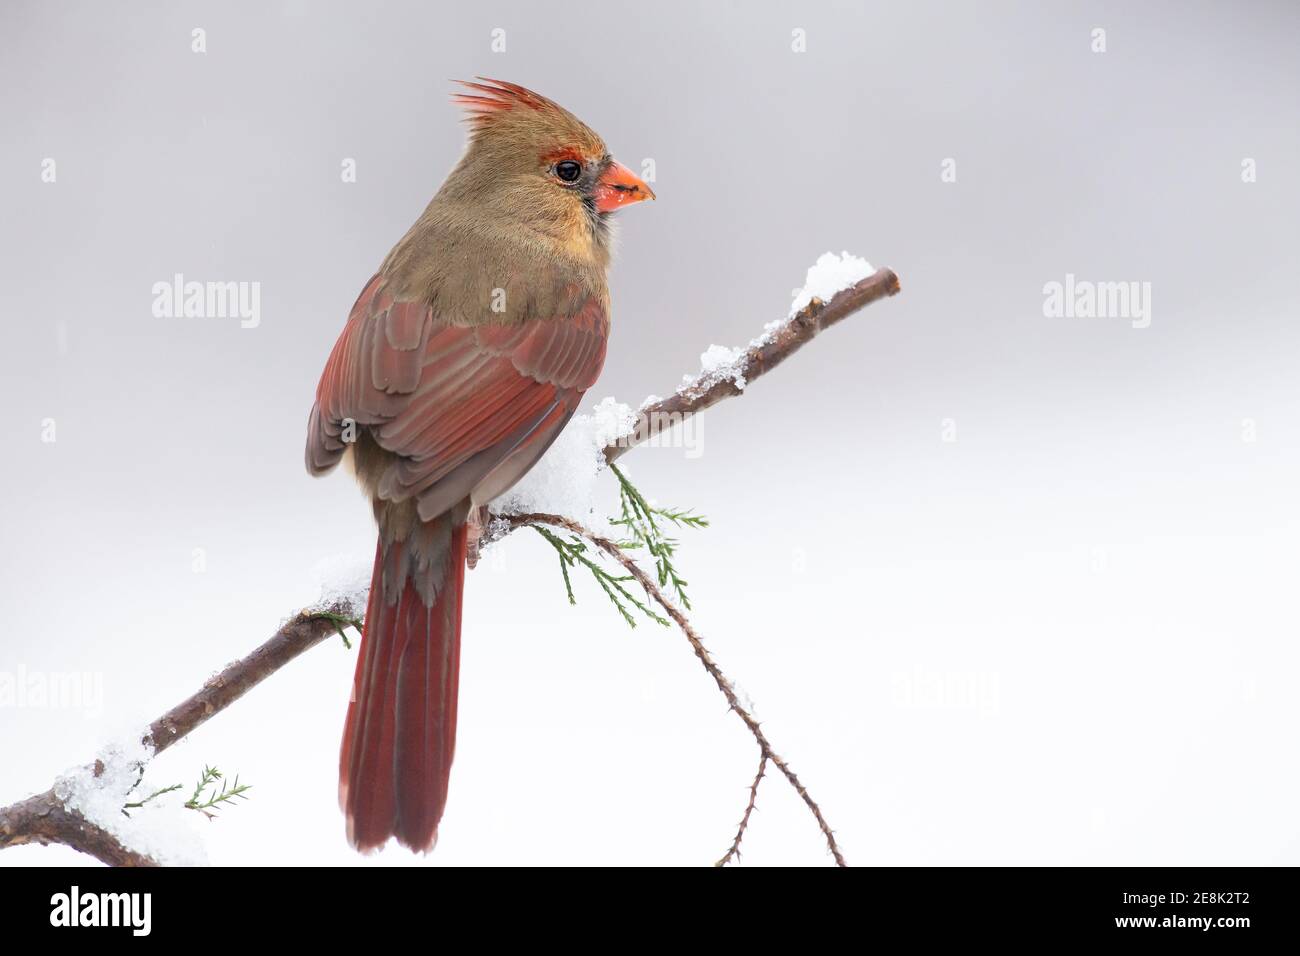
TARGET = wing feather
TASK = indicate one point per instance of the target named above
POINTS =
(452, 402)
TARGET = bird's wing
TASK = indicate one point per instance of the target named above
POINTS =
(451, 401)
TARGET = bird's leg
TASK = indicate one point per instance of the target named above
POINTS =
(476, 523)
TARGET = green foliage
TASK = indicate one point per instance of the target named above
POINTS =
(643, 526)
(201, 800)
(638, 522)
(228, 792)
(573, 553)
(156, 793)
(340, 622)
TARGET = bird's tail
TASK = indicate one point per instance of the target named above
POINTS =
(401, 727)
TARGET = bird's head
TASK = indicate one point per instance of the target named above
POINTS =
(536, 163)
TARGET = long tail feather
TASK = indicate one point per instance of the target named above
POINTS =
(400, 735)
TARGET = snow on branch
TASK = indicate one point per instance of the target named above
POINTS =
(86, 808)
(819, 305)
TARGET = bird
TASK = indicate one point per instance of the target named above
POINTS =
(461, 361)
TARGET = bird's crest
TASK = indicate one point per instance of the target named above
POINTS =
(490, 98)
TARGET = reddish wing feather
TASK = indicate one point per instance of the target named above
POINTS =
(442, 397)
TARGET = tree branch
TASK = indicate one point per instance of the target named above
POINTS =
(759, 360)
(307, 629)
(44, 819)
(728, 691)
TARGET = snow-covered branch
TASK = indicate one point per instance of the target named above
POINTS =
(44, 819)
(85, 808)
(825, 300)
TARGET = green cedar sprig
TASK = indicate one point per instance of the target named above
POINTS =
(572, 552)
(643, 531)
(227, 793)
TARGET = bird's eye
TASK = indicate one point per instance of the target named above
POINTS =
(568, 171)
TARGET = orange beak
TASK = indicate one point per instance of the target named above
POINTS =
(618, 186)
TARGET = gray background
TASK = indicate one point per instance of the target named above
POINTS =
(1067, 637)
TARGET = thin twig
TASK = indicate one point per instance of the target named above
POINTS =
(734, 852)
(710, 665)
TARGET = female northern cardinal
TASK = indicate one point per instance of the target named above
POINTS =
(459, 364)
